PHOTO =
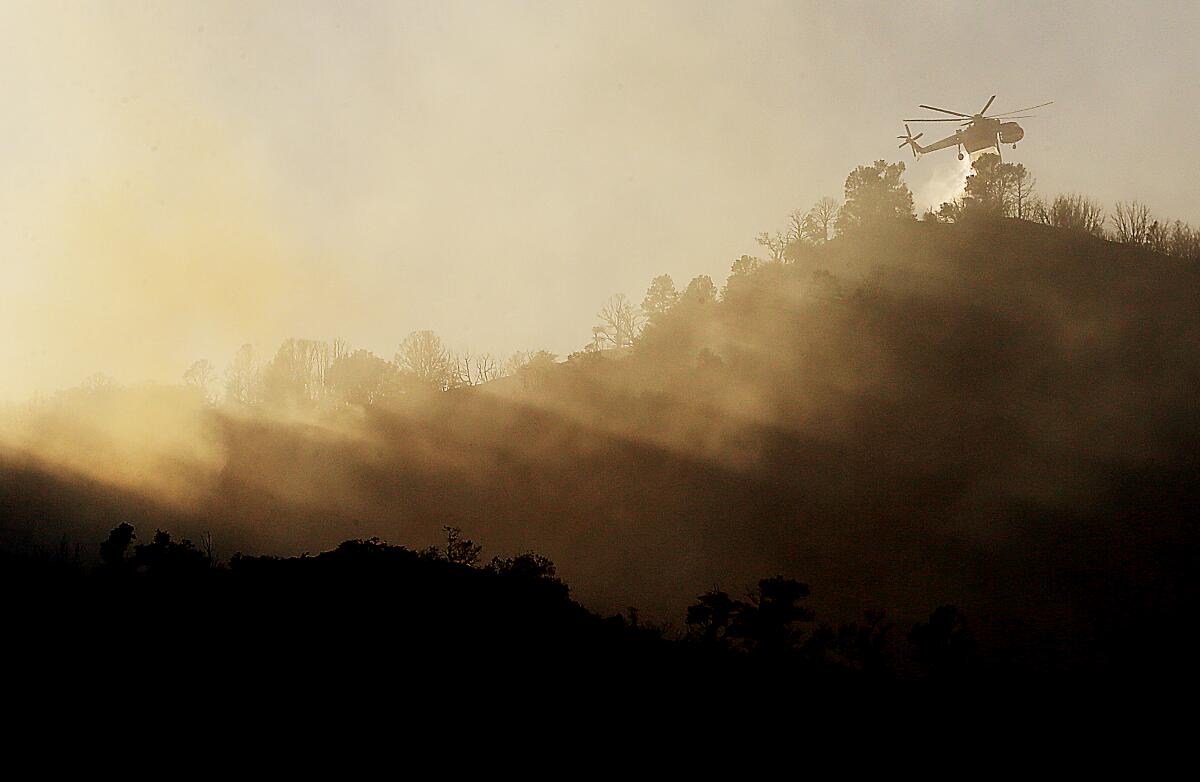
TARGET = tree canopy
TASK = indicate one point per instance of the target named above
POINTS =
(660, 296)
(700, 290)
(997, 188)
(874, 194)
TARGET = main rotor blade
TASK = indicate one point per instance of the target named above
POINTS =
(944, 111)
(1027, 108)
(987, 105)
(936, 119)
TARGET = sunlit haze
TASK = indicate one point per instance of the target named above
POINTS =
(183, 178)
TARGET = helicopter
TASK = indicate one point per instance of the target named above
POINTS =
(980, 132)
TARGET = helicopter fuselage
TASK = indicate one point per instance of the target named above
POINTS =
(987, 133)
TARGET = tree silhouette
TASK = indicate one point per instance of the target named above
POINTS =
(1074, 212)
(536, 369)
(984, 189)
(944, 645)
(1158, 237)
(998, 189)
(875, 195)
(1184, 241)
(298, 372)
(474, 370)
(164, 557)
(775, 244)
(527, 565)
(745, 265)
(660, 296)
(112, 551)
(700, 291)
(766, 623)
(201, 375)
(460, 550)
(741, 268)
(708, 620)
(949, 212)
(819, 221)
(1131, 222)
(362, 378)
(620, 322)
(242, 377)
(857, 646)
(425, 360)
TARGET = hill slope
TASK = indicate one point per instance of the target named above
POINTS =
(1000, 416)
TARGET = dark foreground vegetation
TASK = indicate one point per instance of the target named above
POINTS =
(370, 609)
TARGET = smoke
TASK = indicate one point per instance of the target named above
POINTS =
(188, 179)
(901, 420)
(152, 238)
(947, 181)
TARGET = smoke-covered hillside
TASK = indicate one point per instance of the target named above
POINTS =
(994, 414)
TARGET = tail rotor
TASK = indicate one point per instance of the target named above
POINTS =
(910, 140)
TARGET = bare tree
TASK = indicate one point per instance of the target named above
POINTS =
(1036, 210)
(487, 368)
(1021, 186)
(1184, 242)
(795, 228)
(775, 245)
(598, 341)
(299, 372)
(620, 322)
(1131, 222)
(1158, 237)
(207, 548)
(340, 348)
(242, 377)
(818, 222)
(474, 370)
(1076, 212)
(424, 358)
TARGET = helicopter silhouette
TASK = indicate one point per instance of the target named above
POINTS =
(980, 131)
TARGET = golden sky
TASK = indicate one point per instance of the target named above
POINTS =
(181, 178)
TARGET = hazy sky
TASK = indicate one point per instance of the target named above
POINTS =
(180, 178)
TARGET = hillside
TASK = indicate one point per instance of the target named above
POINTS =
(998, 415)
